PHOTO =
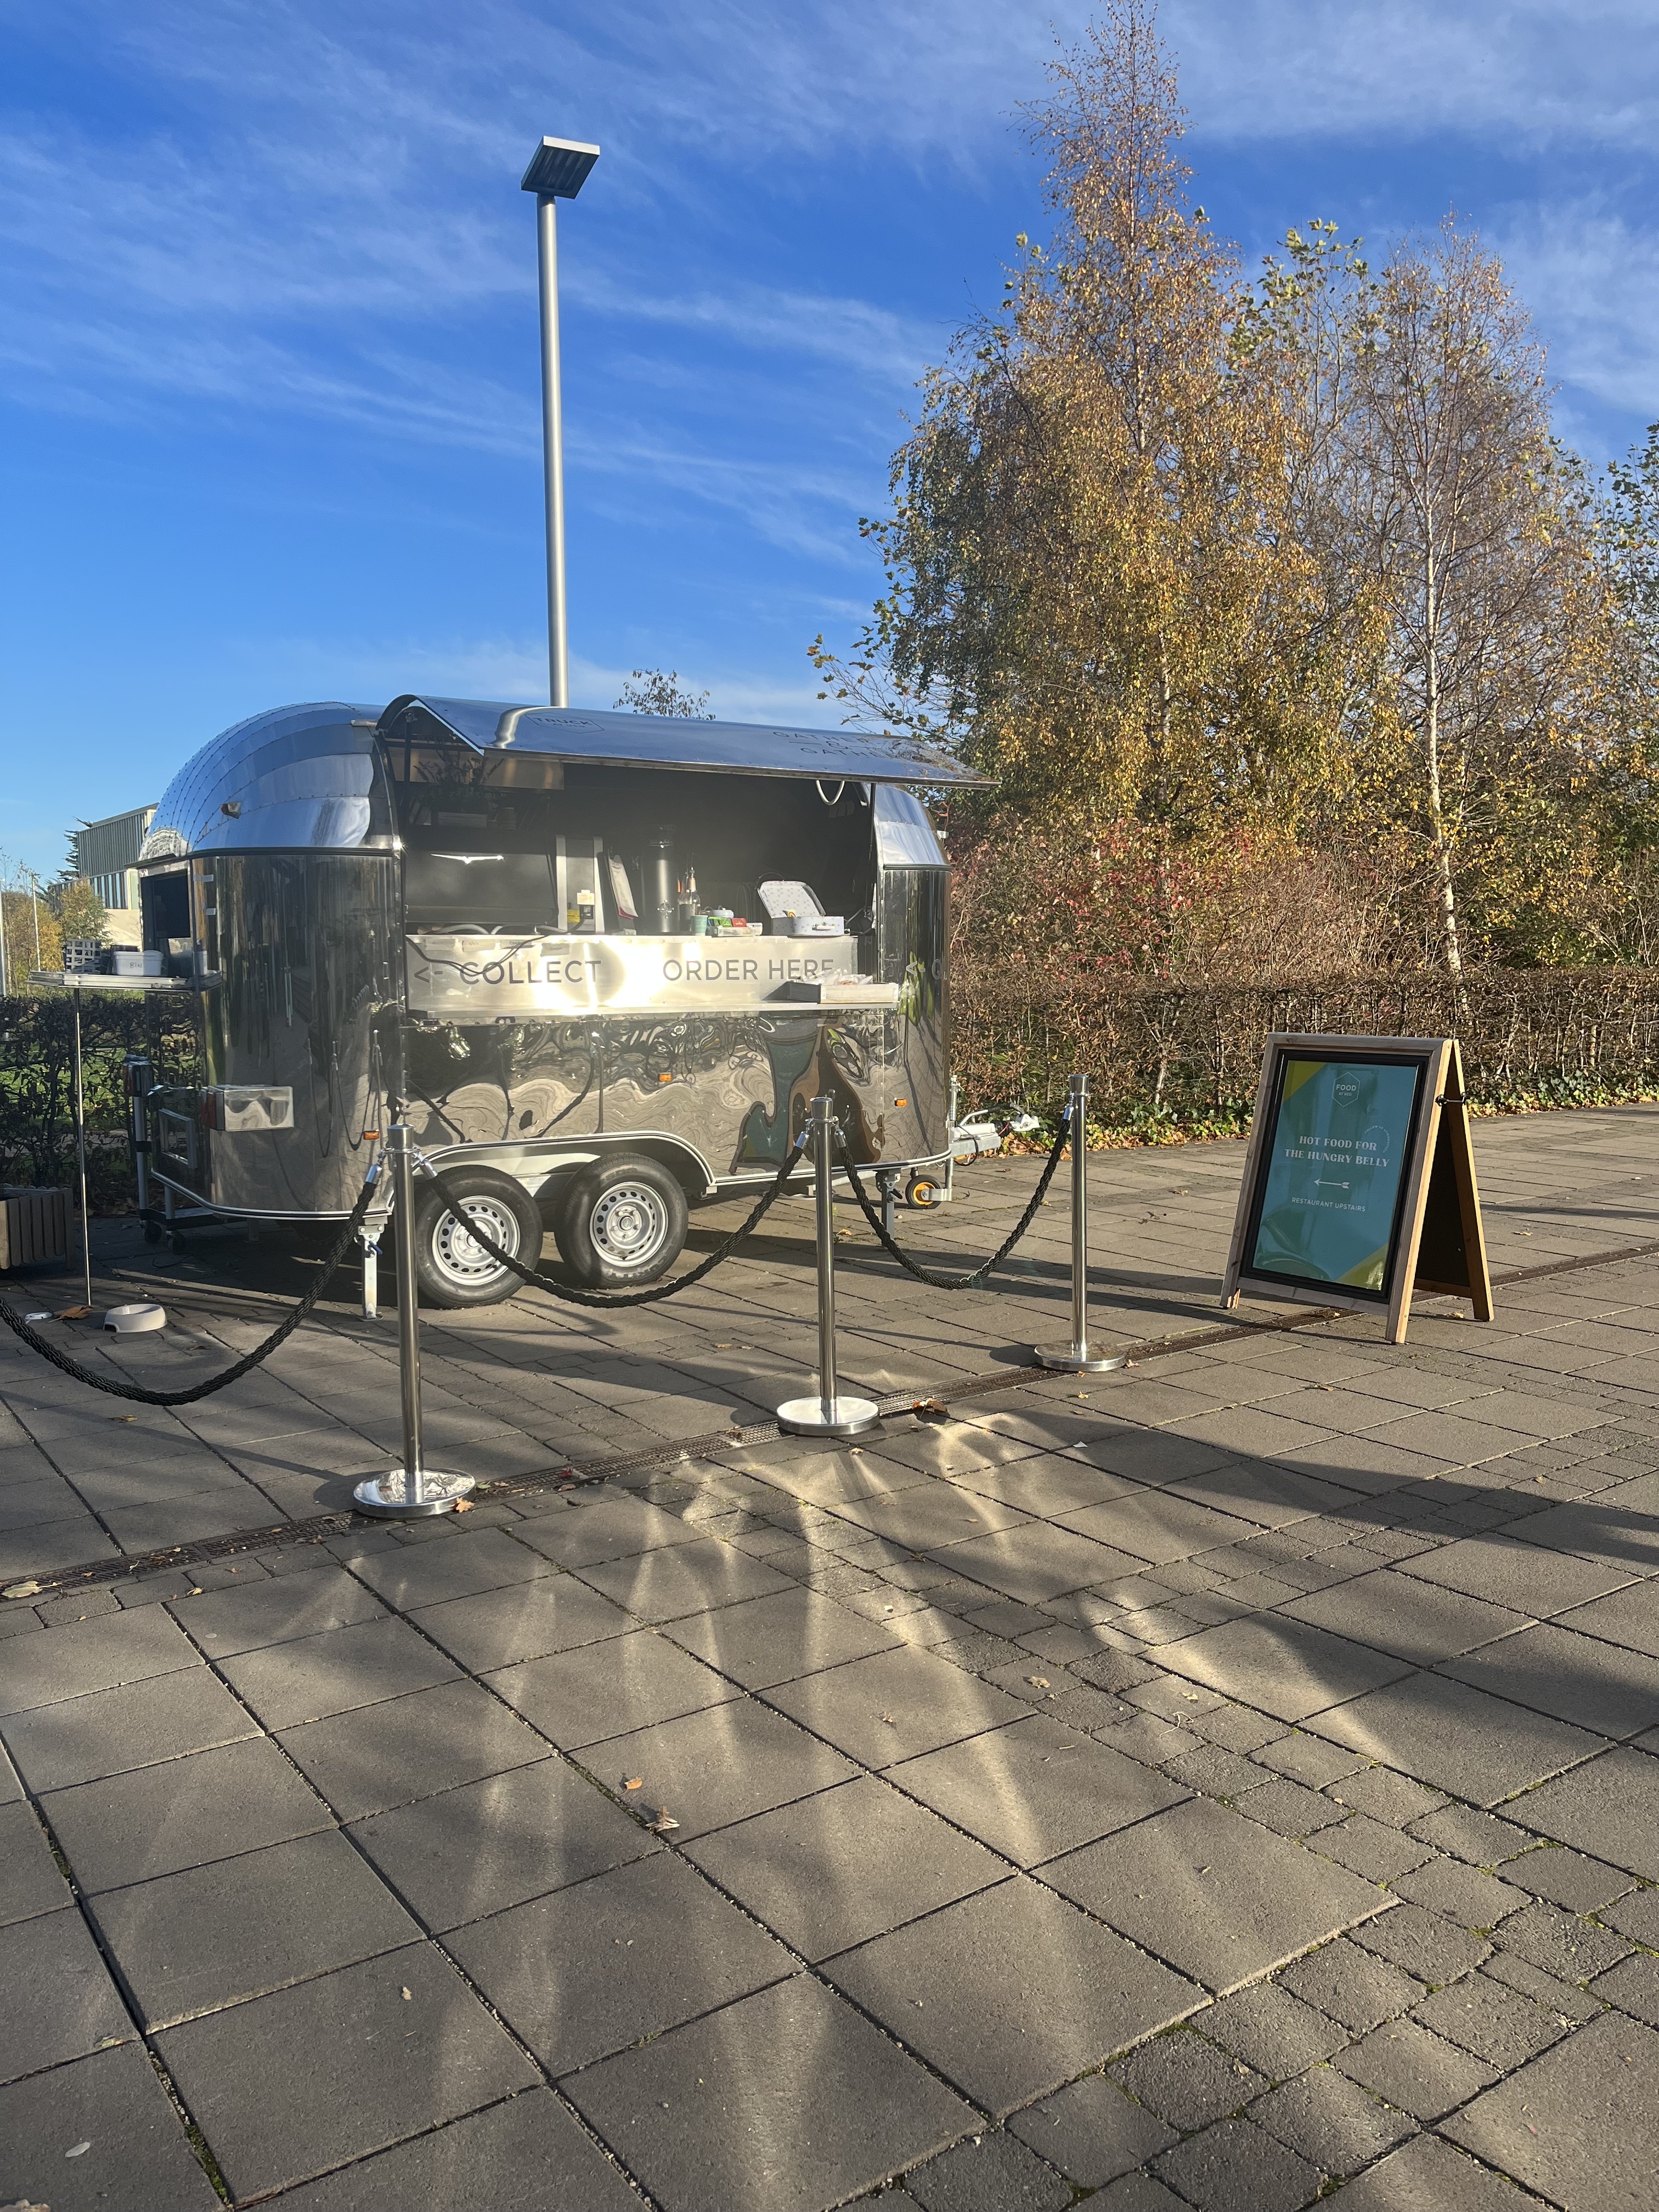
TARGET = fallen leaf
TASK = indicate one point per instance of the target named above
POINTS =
(664, 1821)
(75, 1313)
(409, 1995)
(638, 1782)
(931, 1409)
(78, 2150)
(462, 1505)
(887, 1720)
(122, 1417)
(1038, 1681)
(22, 1589)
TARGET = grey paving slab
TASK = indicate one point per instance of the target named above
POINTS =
(1271, 2030)
(99, 1655)
(110, 1731)
(289, 2085)
(1628, 1617)
(1618, 1529)
(1223, 1900)
(30, 1881)
(1428, 1944)
(1498, 2023)
(598, 1690)
(526, 2154)
(1467, 1742)
(310, 1677)
(60, 2002)
(1609, 1808)
(613, 1529)
(1427, 2175)
(785, 2102)
(1036, 1563)
(227, 1621)
(929, 1515)
(1405, 1616)
(186, 1813)
(1092, 2131)
(451, 1566)
(1283, 1666)
(985, 2172)
(137, 2153)
(192, 1942)
(1330, 2121)
(525, 1620)
(383, 1755)
(767, 1640)
(845, 1865)
(1011, 1992)
(477, 1850)
(1414, 2070)
(1235, 2163)
(1594, 1684)
(1521, 1577)
(1579, 2124)
(669, 1583)
(1186, 2080)
(895, 1704)
(1160, 1526)
(589, 1970)
(1262, 1492)
(1048, 1482)
(1033, 1788)
(712, 1768)
(1350, 1984)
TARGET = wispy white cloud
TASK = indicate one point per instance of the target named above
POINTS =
(1592, 280)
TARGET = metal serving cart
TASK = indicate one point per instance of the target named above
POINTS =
(601, 962)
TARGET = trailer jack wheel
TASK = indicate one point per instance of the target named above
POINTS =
(621, 1222)
(453, 1268)
(921, 1191)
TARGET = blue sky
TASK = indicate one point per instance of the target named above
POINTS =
(268, 357)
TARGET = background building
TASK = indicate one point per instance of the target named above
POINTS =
(104, 854)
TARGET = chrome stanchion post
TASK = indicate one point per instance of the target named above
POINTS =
(80, 1147)
(138, 1085)
(829, 1413)
(413, 1488)
(1077, 1357)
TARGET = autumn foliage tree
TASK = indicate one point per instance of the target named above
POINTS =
(1200, 569)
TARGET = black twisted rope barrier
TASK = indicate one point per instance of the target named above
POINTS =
(278, 1337)
(977, 1275)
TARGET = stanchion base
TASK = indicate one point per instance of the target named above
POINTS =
(1078, 1359)
(385, 1494)
(839, 1417)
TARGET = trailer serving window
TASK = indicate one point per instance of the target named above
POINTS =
(487, 893)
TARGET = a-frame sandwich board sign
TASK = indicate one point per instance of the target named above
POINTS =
(1360, 1183)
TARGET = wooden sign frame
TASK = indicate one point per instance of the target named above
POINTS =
(1436, 1244)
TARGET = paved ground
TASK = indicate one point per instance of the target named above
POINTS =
(1200, 1785)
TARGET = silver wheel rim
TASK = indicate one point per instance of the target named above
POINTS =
(628, 1225)
(459, 1258)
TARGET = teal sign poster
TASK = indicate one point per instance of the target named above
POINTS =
(1330, 1198)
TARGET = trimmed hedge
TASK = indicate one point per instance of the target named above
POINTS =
(37, 1137)
(1168, 1061)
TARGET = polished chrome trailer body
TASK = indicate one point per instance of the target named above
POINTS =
(312, 870)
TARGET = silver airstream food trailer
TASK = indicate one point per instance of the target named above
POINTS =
(601, 962)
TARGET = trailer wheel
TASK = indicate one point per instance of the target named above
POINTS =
(453, 1268)
(622, 1221)
(921, 1191)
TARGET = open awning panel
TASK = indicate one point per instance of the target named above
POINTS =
(618, 740)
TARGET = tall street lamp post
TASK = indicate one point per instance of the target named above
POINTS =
(558, 170)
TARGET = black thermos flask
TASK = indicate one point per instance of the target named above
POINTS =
(661, 905)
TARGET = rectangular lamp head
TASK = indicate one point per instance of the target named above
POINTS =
(559, 167)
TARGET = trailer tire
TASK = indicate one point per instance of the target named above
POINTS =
(622, 1221)
(451, 1269)
(922, 1192)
